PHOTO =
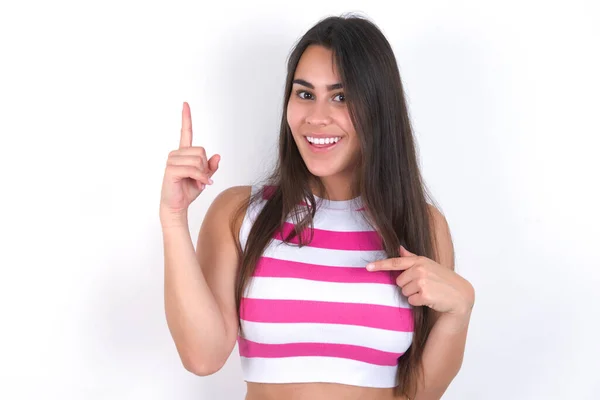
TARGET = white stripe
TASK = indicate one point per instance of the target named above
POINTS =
(278, 333)
(339, 220)
(260, 287)
(318, 369)
(248, 220)
(312, 255)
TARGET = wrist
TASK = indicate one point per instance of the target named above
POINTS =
(454, 321)
(173, 219)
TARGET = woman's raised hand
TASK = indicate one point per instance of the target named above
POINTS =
(187, 171)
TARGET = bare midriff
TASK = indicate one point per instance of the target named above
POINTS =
(317, 391)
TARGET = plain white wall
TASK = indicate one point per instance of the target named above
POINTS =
(504, 102)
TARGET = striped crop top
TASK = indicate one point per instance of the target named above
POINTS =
(315, 314)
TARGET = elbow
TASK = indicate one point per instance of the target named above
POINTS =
(201, 359)
(200, 367)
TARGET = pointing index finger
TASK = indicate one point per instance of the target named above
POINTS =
(186, 127)
(391, 264)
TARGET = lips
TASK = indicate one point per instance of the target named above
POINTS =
(321, 148)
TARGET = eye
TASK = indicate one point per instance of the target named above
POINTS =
(343, 98)
(299, 94)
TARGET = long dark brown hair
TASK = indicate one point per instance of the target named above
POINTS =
(388, 177)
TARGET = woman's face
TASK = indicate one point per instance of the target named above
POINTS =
(319, 119)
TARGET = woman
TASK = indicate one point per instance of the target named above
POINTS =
(310, 272)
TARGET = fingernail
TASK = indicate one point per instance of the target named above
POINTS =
(203, 186)
(210, 181)
(370, 267)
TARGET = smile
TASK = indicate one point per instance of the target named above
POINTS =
(320, 145)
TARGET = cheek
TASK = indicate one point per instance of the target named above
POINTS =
(294, 117)
(346, 123)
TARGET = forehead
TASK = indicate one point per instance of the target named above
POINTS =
(317, 65)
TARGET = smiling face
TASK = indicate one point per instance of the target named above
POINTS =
(318, 116)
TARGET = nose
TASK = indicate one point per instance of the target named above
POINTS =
(318, 114)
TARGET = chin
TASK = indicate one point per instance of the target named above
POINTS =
(322, 171)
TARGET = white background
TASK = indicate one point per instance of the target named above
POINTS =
(504, 101)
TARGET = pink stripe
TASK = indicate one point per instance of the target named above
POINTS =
(249, 348)
(298, 311)
(268, 192)
(335, 240)
(272, 267)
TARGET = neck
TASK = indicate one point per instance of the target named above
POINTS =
(336, 188)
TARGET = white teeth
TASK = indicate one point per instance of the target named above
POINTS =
(323, 140)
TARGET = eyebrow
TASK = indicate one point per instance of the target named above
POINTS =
(310, 85)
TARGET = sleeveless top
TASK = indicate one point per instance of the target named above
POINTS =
(314, 313)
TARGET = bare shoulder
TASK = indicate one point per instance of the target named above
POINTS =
(232, 196)
(442, 237)
(231, 204)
